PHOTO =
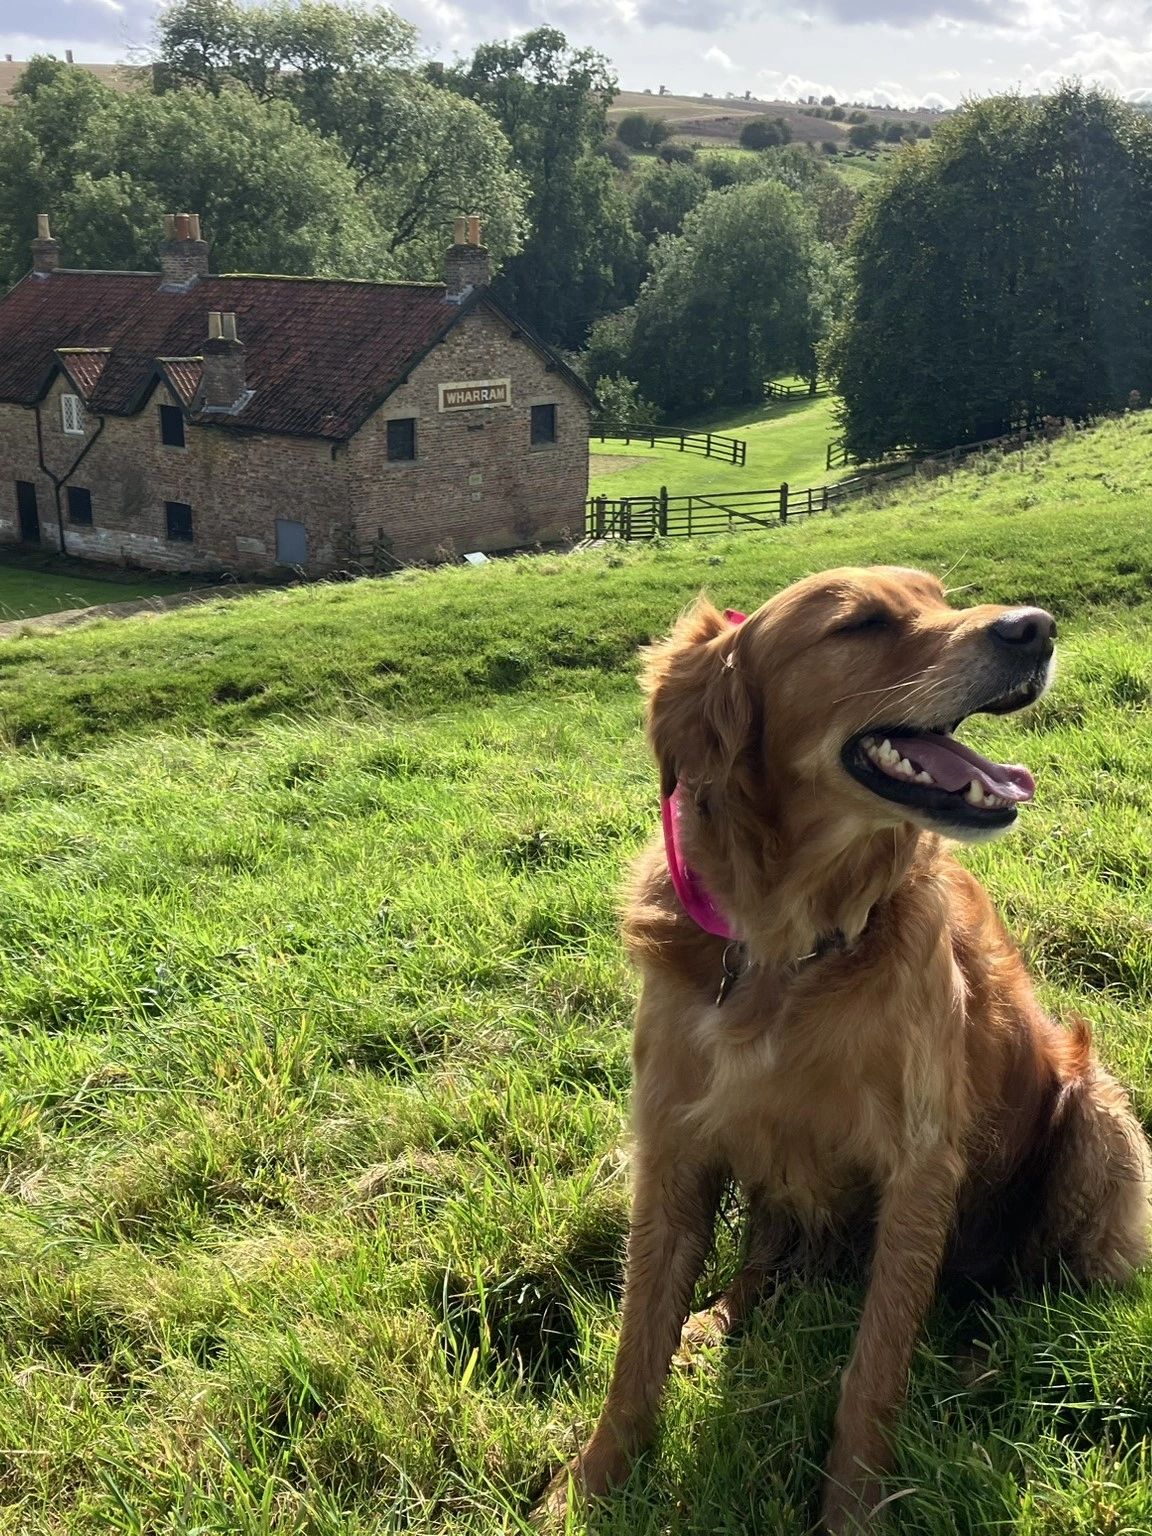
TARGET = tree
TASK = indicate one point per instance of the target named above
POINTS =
(765, 133)
(582, 256)
(827, 101)
(731, 300)
(274, 196)
(639, 130)
(663, 197)
(864, 135)
(420, 155)
(1001, 273)
(620, 403)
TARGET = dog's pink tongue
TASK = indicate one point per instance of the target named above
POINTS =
(954, 766)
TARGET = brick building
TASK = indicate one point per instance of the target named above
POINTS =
(186, 421)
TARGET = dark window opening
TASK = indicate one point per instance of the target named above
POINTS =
(402, 438)
(179, 518)
(79, 505)
(172, 426)
(543, 424)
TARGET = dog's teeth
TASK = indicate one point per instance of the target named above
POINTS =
(886, 751)
(906, 768)
(975, 793)
(924, 778)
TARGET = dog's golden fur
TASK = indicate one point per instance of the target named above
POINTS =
(905, 1086)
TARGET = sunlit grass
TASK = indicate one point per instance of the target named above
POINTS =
(316, 1049)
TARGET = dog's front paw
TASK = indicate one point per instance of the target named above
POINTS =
(850, 1507)
(589, 1474)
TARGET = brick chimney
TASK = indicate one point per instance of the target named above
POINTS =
(466, 266)
(183, 254)
(224, 381)
(45, 250)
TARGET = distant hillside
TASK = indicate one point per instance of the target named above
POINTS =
(123, 77)
(719, 119)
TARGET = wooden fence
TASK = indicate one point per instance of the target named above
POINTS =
(774, 391)
(664, 516)
(733, 450)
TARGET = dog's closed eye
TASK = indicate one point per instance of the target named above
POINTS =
(860, 623)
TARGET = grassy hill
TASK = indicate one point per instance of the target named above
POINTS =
(316, 1051)
(787, 440)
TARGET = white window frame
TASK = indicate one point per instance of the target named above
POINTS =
(72, 415)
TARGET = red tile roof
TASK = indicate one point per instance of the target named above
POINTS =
(320, 354)
(83, 368)
(183, 374)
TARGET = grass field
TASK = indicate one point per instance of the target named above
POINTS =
(786, 441)
(26, 592)
(315, 1062)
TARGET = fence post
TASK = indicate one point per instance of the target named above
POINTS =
(708, 446)
(681, 442)
(662, 513)
(601, 506)
(784, 502)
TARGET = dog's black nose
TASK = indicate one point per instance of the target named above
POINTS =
(1026, 631)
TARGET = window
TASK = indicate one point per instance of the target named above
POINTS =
(402, 438)
(72, 415)
(543, 424)
(79, 505)
(179, 517)
(172, 426)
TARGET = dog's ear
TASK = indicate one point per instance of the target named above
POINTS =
(700, 711)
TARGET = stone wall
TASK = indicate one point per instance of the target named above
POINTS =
(476, 482)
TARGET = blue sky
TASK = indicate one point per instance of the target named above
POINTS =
(888, 51)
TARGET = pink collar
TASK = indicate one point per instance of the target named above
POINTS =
(690, 889)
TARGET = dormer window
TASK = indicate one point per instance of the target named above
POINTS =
(72, 415)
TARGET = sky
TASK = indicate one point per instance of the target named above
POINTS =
(887, 52)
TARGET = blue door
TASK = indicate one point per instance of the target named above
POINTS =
(291, 542)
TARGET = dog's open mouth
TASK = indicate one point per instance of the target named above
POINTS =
(933, 773)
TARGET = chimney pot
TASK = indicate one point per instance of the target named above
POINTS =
(183, 252)
(45, 250)
(466, 265)
(224, 383)
(68, 56)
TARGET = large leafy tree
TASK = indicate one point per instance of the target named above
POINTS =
(733, 299)
(419, 154)
(1001, 272)
(274, 195)
(551, 101)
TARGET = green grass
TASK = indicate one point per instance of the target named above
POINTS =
(26, 592)
(786, 441)
(316, 1051)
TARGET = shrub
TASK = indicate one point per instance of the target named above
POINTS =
(864, 135)
(639, 130)
(678, 154)
(830, 147)
(619, 402)
(765, 133)
(615, 153)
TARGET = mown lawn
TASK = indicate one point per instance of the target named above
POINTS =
(787, 440)
(316, 1052)
(26, 592)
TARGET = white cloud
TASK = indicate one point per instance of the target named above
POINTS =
(784, 87)
(718, 57)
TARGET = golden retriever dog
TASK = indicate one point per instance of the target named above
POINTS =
(832, 1013)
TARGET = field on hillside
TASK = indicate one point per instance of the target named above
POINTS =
(316, 1057)
(787, 440)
